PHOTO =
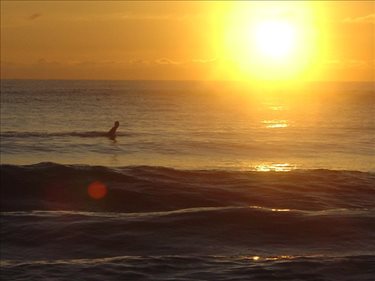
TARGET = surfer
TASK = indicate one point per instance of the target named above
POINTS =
(112, 132)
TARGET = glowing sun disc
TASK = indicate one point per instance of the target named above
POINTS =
(270, 40)
(275, 38)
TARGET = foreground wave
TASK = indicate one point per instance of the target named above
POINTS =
(197, 268)
(156, 223)
(49, 186)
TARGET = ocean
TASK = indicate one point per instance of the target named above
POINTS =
(204, 181)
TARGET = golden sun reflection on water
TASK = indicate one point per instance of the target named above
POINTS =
(275, 123)
(277, 107)
(276, 167)
(276, 258)
(280, 210)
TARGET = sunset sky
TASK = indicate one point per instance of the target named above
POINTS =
(188, 40)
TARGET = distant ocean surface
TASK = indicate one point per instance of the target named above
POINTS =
(204, 181)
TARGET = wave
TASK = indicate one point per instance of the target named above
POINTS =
(50, 186)
(184, 267)
(199, 231)
(156, 222)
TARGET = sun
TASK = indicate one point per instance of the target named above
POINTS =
(268, 41)
(275, 39)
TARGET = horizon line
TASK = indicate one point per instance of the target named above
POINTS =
(180, 80)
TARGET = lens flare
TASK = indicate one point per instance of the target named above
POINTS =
(97, 190)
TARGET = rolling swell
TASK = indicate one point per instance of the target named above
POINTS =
(49, 186)
(202, 231)
(48, 215)
(185, 268)
(157, 223)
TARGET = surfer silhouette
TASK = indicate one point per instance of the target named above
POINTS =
(112, 132)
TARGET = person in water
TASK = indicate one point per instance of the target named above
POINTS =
(112, 132)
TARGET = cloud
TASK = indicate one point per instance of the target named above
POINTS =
(364, 19)
(34, 16)
(349, 63)
(157, 17)
(42, 62)
(204, 60)
(138, 61)
(167, 61)
(135, 17)
(159, 69)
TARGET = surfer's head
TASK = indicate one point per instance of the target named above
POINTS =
(117, 123)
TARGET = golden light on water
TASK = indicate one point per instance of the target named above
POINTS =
(277, 167)
(275, 258)
(277, 107)
(280, 210)
(275, 123)
(277, 126)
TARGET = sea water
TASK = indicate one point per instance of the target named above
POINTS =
(204, 181)
(189, 125)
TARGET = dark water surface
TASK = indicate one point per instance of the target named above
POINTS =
(157, 223)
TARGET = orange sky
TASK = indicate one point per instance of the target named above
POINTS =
(169, 40)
